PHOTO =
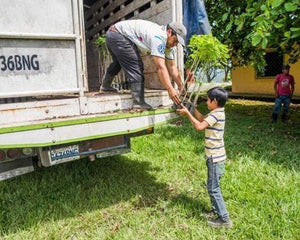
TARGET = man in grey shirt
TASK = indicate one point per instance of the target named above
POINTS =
(124, 41)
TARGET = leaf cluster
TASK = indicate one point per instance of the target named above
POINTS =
(101, 43)
(206, 52)
(251, 27)
(275, 25)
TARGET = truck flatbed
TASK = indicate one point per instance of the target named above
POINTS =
(60, 121)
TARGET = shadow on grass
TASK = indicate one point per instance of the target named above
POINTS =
(249, 133)
(68, 190)
(194, 207)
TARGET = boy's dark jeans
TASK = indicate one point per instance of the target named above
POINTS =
(214, 174)
(285, 99)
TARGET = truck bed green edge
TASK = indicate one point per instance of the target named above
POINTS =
(83, 121)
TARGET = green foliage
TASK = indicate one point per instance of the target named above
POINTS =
(207, 52)
(250, 27)
(101, 43)
(275, 25)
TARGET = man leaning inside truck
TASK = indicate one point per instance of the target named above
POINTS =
(125, 38)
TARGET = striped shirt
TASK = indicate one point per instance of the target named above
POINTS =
(214, 143)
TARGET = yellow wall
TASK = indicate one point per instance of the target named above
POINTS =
(244, 81)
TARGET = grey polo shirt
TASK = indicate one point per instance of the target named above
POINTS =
(149, 37)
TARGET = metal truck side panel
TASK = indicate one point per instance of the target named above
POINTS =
(36, 65)
(29, 113)
(36, 16)
(41, 48)
(81, 132)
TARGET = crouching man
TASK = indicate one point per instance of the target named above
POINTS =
(124, 41)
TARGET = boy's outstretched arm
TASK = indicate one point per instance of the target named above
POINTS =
(199, 126)
(199, 116)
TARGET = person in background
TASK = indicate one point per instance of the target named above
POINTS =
(124, 41)
(284, 86)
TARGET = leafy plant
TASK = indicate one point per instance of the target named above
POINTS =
(207, 53)
(275, 25)
(251, 27)
(101, 43)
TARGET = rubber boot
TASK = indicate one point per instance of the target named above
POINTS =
(274, 117)
(284, 117)
(137, 92)
(106, 84)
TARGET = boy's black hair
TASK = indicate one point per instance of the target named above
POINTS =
(218, 93)
(286, 66)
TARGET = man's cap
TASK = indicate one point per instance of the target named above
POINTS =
(180, 31)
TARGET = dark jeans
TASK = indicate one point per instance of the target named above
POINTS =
(285, 99)
(214, 174)
(125, 55)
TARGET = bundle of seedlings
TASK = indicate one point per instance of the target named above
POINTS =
(206, 52)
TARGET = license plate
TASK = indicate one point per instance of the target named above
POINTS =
(64, 154)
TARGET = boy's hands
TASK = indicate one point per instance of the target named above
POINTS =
(183, 111)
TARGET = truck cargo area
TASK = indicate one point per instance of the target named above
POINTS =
(100, 15)
(76, 66)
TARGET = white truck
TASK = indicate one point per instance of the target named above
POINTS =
(49, 74)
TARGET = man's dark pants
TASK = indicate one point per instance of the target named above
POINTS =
(125, 55)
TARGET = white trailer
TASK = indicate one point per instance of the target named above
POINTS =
(48, 104)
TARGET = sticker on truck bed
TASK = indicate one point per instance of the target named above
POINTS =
(64, 154)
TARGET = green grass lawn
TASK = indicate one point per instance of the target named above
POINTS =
(158, 190)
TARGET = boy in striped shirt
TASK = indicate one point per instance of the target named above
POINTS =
(213, 124)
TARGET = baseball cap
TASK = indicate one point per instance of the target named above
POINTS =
(180, 31)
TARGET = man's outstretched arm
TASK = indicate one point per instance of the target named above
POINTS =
(164, 77)
(173, 71)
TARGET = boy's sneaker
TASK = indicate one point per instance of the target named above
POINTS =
(218, 223)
